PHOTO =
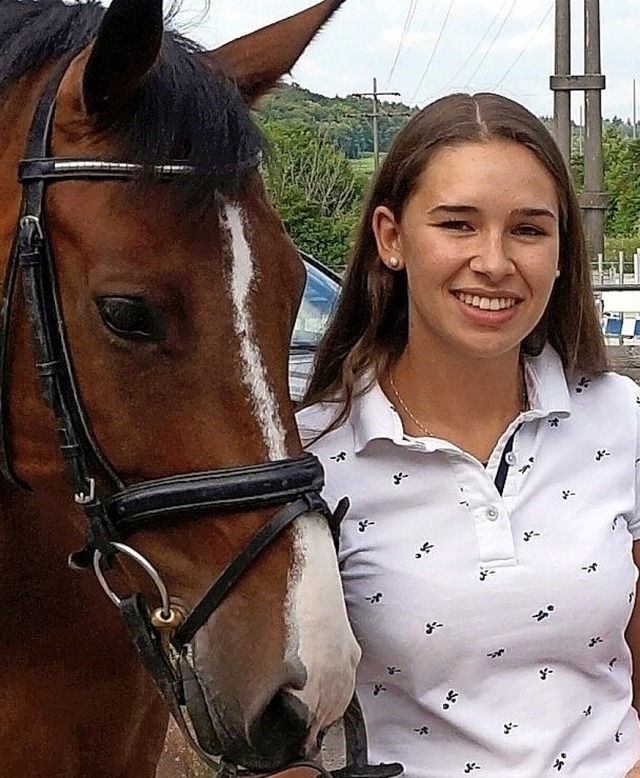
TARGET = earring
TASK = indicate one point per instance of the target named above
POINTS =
(558, 273)
(394, 263)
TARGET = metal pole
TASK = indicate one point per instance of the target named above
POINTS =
(374, 116)
(635, 121)
(593, 162)
(562, 98)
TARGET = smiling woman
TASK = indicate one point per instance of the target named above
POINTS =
(460, 401)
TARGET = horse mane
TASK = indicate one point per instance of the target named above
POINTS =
(184, 110)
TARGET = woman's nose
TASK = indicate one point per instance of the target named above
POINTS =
(492, 259)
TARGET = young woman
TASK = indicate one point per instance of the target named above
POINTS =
(461, 401)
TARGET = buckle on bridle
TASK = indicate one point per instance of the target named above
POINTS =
(85, 498)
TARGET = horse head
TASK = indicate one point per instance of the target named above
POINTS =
(178, 288)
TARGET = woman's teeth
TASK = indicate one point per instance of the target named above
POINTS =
(486, 303)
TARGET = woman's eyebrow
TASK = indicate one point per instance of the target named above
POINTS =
(455, 208)
(531, 211)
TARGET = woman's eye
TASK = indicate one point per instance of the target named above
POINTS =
(131, 318)
(529, 229)
(455, 224)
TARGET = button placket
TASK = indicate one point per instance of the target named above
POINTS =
(493, 530)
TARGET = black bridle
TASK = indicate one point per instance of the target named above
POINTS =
(114, 510)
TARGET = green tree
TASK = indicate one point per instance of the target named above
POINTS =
(314, 188)
(622, 182)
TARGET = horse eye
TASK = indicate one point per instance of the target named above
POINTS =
(131, 318)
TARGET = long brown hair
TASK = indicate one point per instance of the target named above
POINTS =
(369, 329)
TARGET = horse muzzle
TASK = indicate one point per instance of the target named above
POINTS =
(270, 735)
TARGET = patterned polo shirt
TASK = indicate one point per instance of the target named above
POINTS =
(491, 603)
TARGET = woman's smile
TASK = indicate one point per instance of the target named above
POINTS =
(489, 309)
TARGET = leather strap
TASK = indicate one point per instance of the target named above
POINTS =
(230, 575)
(147, 642)
(67, 169)
(228, 489)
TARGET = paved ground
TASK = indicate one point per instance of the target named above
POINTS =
(178, 761)
(333, 748)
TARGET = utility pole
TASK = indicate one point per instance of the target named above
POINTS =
(593, 201)
(374, 116)
(562, 97)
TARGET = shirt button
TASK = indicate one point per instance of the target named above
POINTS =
(491, 513)
(510, 458)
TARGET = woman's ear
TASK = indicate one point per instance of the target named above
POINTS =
(387, 234)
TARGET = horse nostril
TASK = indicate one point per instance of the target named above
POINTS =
(281, 729)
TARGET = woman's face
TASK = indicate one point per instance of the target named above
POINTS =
(479, 240)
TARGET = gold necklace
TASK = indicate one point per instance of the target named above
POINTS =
(420, 426)
(524, 405)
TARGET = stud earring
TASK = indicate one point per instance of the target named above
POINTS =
(394, 263)
(558, 273)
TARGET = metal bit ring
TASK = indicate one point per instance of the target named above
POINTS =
(143, 562)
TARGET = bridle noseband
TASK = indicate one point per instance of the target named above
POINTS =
(114, 510)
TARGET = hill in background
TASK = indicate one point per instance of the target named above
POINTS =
(345, 121)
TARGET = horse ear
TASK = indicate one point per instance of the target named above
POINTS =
(257, 61)
(125, 49)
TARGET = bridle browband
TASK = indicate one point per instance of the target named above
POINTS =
(114, 510)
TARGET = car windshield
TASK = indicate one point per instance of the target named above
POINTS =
(318, 301)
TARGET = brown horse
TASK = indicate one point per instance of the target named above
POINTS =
(156, 431)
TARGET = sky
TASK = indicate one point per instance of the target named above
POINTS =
(426, 48)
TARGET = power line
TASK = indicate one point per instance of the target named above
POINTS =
(522, 51)
(412, 44)
(407, 24)
(491, 45)
(477, 46)
(435, 48)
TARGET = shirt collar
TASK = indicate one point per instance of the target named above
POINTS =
(546, 385)
(373, 416)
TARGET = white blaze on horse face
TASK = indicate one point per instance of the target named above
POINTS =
(318, 632)
(254, 373)
(319, 636)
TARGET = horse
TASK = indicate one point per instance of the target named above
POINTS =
(146, 428)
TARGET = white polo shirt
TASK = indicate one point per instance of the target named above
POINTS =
(491, 604)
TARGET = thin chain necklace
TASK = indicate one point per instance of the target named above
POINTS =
(403, 405)
(524, 405)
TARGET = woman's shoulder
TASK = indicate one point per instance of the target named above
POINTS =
(608, 384)
(609, 399)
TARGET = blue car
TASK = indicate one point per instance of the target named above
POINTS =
(318, 301)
